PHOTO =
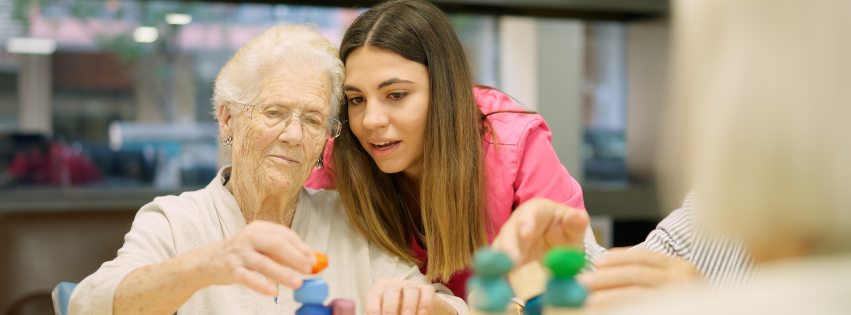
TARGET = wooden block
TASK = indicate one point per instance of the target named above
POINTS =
(511, 309)
(563, 311)
(321, 262)
(312, 291)
(342, 307)
(528, 281)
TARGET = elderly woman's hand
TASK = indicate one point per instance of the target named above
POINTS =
(626, 274)
(264, 247)
(397, 296)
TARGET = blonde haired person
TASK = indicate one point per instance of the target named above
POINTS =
(239, 245)
(760, 128)
(763, 103)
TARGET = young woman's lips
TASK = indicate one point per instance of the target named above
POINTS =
(384, 148)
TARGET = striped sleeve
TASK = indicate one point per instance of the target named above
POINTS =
(674, 236)
(593, 251)
(725, 263)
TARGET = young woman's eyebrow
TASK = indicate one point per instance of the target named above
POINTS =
(392, 81)
(350, 88)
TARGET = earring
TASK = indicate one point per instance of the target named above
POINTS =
(319, 163)
(227, 142)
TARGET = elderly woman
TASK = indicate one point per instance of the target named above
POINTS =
(239, 245)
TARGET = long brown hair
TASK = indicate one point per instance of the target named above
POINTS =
(452, 186)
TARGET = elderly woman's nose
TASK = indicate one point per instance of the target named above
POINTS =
(293, 133)
(375, 117)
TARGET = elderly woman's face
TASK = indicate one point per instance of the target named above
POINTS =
(280, 157)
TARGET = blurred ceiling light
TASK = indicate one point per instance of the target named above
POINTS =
(146, 34)
(29, 45)
(115, 138)
(178, 18)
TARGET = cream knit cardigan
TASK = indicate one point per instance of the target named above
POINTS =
(172, 225)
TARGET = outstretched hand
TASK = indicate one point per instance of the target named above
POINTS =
(624, 274)
(397, 296)
(265, 247)
(537, 226)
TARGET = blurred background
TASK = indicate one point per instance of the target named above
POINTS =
(105, 104)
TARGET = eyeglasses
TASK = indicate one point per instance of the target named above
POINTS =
(313, 124)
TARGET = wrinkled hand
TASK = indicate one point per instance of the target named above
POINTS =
(624, 274)
(538, 225)
(397, 296)
(264, 247)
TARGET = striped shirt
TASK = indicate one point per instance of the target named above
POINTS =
(725, 263)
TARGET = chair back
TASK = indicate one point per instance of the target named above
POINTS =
(40, 249)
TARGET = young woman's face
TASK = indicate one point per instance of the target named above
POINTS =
(387, 98)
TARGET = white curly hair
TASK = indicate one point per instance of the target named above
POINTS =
(241, 78)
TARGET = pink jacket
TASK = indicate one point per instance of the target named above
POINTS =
(524, 166)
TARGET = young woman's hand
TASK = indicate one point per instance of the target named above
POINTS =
(538, 225)
(397, 296)
(624, 274)
(264, 247)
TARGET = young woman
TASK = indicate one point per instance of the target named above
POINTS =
(427, 165)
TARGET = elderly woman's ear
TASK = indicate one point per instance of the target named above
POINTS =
(224, 116)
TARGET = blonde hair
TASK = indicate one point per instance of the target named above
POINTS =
(763, 117)
(242, 76)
